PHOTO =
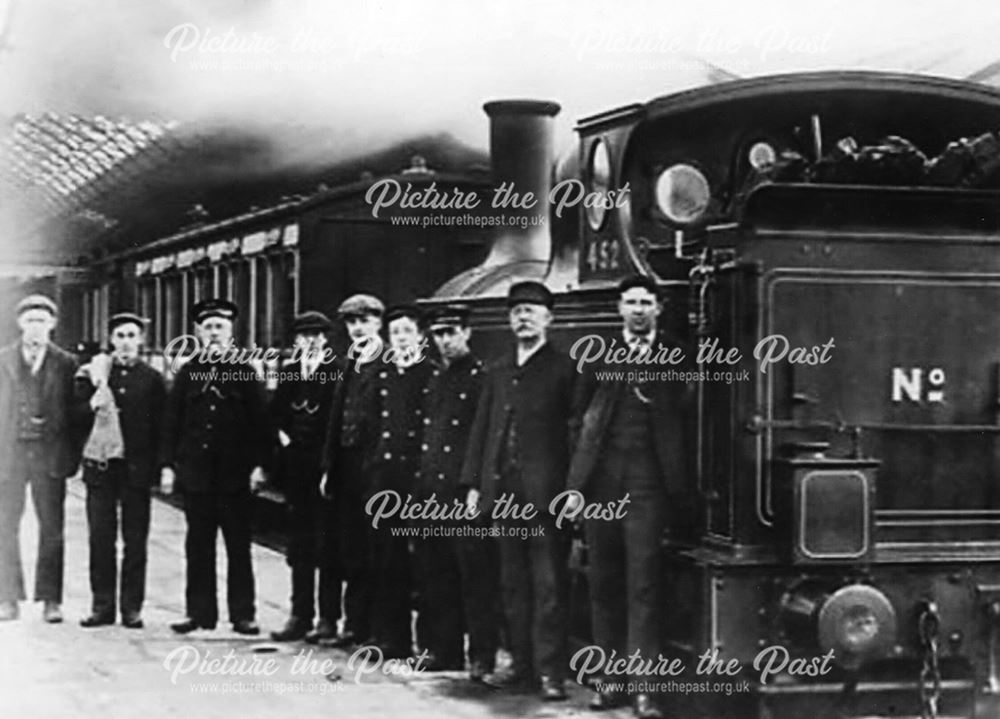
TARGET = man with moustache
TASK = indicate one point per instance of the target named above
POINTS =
(458, 575)
(344, 479)
(216, 440)
(631, 441)
(126, 398)
(395, 422)
(301, 409)
(519, 445)
(37, 412)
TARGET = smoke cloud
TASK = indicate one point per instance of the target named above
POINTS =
(314, 82)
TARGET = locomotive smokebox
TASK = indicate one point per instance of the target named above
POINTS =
(521, 152)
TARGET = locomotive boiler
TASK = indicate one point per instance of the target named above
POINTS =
(841, 232)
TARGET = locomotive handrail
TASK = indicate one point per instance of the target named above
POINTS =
(758, 424)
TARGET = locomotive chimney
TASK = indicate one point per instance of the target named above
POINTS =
(521, 154)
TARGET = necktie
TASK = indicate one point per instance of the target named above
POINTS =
(640, 346)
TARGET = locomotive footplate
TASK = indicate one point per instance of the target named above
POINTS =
(889, 639)
(865, 699)
(843, 698)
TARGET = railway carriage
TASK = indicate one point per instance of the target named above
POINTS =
(305, 252)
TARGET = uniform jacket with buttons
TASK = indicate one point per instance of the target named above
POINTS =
(395, 421)
(58, 403)
(538, 396)
(215, 428)
(449, 408)
(140, 395)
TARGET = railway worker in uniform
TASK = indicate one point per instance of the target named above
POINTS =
(37, 449)
(300, 410)
(216, 439)
(395, 421)
(126, 398)
(519, 447)
(458, 575)
(344, 480)
(631, 441)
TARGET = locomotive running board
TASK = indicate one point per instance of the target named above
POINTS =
(786, 700)
(949, 685)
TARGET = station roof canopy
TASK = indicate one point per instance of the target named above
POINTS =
(73, 188)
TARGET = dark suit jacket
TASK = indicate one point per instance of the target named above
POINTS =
(356, 380)
(295, 397)
(215, 432)
(58, 370)
(595, 402)
(301, 408)
(538, 396)
(140, 395)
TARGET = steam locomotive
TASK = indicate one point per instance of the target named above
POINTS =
(846, 494)
(843, 505)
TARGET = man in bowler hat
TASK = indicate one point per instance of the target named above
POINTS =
(519, 447)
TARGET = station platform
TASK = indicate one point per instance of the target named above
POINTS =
(64, 670)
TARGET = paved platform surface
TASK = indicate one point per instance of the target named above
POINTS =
(64, 670)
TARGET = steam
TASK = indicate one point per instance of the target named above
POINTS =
(370, 73)
(316, 82)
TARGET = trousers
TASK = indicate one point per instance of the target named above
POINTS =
(108, 492)
(206, 514)
(626, 568)
(458, 579)
(47, 495)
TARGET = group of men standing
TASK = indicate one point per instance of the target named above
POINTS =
(525, 428)
(390, 422)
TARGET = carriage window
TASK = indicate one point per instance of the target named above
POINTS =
(103, 304)
(88, 322)
(262, 302)
(173, 303)
(190, 295)
(160, 324)
(147, 309)
(283, 279)
(95, 313)
(240, 294)
(147, 302)
(203, 284)
(223, 285)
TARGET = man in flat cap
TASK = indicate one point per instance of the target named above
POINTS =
(344, 479)
(459, 575)
(125, 400)
(518, 447)
(631, 443)
(301, 410)
(216, 438)
(395, 421)
(37, 448)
